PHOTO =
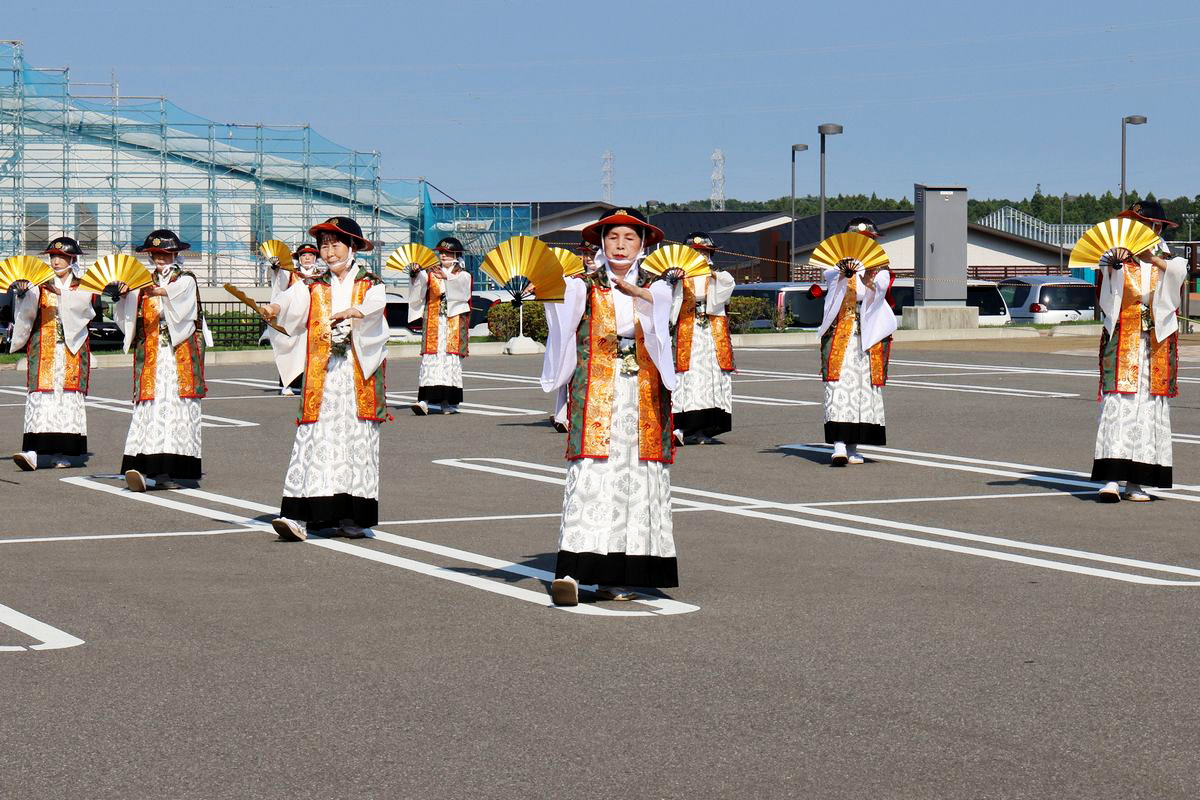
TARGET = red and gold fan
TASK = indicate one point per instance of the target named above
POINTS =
(24, 268)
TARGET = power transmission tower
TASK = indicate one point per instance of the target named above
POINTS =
(606, 177)
(716, 200)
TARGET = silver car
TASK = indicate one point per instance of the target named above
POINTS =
(1048, 299)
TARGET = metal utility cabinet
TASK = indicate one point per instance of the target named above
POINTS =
(940, 249)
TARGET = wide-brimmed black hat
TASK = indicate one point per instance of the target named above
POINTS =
(450, 245)
(63, 246)
(631, 217)
(163, 240)
(1148, 211)
(344, 228)
(307, 247)
(699, 240)
(587, 247)
(863, 225)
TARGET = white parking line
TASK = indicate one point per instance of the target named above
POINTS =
(100, 536)
(48, 636)
(658, 606)
(405, 398)
(126, 407)
(967, 388)
(534, 472)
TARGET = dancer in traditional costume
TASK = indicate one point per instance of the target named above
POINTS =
(560, 419)
(308, 267)
(442, 295)
(52, 319)
(1139, 365)
(611, 344)
(702, 402)
(337, 339)
(164, 324)
(856, 341)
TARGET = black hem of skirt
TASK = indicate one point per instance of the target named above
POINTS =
(61, 444)
(171, 464)
(707, 421)
(328, 511)
(855, 433)
(440, 395)
(618, 569)
(1124, 469)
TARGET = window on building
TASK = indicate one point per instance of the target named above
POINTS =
(261, 223)
(37, 226)
(191, 225)
(86, 226)
(142, 222)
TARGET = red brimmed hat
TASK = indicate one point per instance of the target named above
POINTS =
(345, 227)
(63, 246)
(1148, 211)
(631, 217)
(450, 244)
(307, 247)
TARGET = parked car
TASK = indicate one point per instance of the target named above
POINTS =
(1048, 299)
(784, 297)
(984, 295)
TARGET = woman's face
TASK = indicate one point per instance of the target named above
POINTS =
(333, 251)
(308, 259)
(60, 264)
(621, 246)
(448, 260)
(162, 259)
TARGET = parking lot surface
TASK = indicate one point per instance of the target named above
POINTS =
(956, 618)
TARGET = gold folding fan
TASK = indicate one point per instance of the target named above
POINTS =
(116, 268)
(677, 256)
(572, 264)
(24, 268)
(1114, 239)
(862, 252)
(279, 251)
(412, 253)
(525, 266)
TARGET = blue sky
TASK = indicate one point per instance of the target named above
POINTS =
(518, 101)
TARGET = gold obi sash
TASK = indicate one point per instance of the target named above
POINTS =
(189, 355)
(1119, 355)
(368, 392)
(592, 389)
(458, 329)
(43, 341)
(837, 338)
(718, 325)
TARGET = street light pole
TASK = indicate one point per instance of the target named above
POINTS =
(1062, 207)
(826, 129)
(1135, 119)
(796, 148)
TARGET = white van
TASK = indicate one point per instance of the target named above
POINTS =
(984, 295)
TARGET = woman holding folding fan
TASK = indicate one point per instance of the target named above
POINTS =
(337, 339)
(856, 337)
(611, 344)
(164, 325)
(442, 295)
(702, 403)
(51, 321)
(1139, 362)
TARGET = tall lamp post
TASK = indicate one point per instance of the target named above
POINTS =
(796, 148)
(1136, 119)
(826, 129)
(1062, 209)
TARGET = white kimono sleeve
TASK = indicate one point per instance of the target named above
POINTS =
(720, 289)
(677, 300)
(370, 334)
(835, 291)
(25, 312)
(1166, 298)
(125, 314)
(458, 293)
(418, 289)
(655, 317)
(292, 350)
(75, 309)
(562, 321)
(180, 307)
(878, 320)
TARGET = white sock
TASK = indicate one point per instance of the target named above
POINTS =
(1133, 488)
(839, 448)
(1110, 488)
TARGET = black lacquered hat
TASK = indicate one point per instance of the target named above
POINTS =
(163, 240)
(63, 246)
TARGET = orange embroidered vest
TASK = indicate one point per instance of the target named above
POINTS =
(458, 327)
(1119, 366)
(837, 337)
(43, 341)
(719, 326)
(151, 334)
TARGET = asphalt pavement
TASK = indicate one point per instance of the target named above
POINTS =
(957, 618)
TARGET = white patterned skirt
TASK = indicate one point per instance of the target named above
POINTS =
(703, 398)
(440, 377)
(853, 407)
(333, 473)
(164, 434)
(616, 520)
(56, 422)
(1133, 437)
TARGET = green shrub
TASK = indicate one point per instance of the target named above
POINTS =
(744, 310)
(503, 322)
